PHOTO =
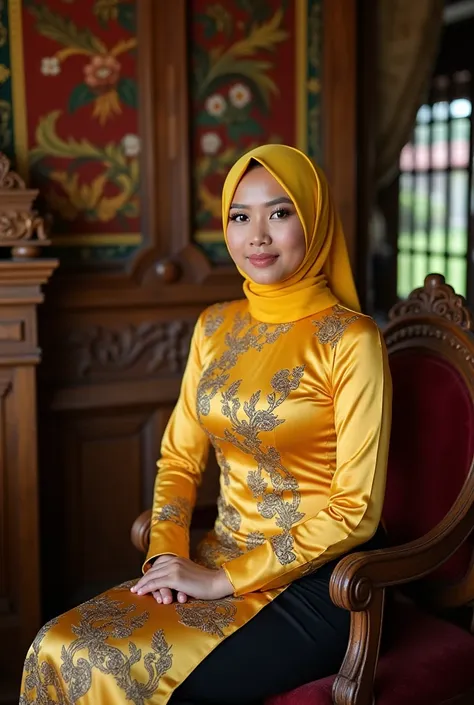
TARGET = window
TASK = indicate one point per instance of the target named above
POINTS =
(435, 196)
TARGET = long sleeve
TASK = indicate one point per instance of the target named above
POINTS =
(361, 392)
(184, 452)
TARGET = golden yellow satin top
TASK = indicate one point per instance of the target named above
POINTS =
(299, 416)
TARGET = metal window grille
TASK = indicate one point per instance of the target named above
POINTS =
(436, 189)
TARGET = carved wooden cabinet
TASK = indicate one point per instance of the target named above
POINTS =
(116, 340)
(20, 615)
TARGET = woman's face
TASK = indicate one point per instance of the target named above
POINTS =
(264, 233)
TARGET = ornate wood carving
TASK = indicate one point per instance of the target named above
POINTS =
(20, 225)
(9, 179)
(426, 331)
(165, 342)
(437, 298)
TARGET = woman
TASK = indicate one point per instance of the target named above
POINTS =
(291, 387)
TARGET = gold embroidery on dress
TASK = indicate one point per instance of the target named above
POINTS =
(272, 503)
(228, 515)
(214, 319)
(254, 539)
(37, 679)
(210, 616)
(221, 459)
(216, 374)
(100, 619)
(213, 554)
(244, 433)
(331, 328)
(218, 547)
(179, 511)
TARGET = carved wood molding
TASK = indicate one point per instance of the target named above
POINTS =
(166, 344)
(434, 332)
(26, 274)
(9, 179)
(20, 226)
(437, 298)
(170, 257)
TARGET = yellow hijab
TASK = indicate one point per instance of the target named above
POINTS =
(324, 278)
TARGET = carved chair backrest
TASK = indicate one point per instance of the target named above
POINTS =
(431, 351)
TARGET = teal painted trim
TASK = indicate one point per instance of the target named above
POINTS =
(6, 106)
(315, 52)
(97, 254)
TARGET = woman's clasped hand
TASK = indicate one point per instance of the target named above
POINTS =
(186, 578)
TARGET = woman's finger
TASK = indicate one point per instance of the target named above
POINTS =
(158, 570)
(166, 595)
(157, 582)
(147, 582)
(182, 597)
(157, 596)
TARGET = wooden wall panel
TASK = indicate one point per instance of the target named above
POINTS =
(9, 529)
(19, 541)
(103, 494)
(340, 111)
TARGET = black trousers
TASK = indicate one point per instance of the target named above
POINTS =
(300, 637)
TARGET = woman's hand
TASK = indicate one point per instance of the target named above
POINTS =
(184, 576)
(165, 596)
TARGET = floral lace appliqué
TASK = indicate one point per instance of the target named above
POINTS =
(331, 328)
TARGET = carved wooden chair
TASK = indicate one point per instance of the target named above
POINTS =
(429, 516)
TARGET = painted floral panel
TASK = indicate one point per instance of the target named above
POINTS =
(255, 81)
(81, 108)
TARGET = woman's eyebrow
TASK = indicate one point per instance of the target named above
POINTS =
(273, 202)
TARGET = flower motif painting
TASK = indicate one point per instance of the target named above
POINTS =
(254, 63)
(83, 146)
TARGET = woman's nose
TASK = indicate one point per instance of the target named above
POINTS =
(260, 236)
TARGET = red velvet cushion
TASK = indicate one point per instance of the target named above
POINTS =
(431, 448)
(429, 662)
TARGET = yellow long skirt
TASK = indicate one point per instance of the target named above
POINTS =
(124, 648)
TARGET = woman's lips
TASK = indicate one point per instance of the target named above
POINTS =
(263, 260)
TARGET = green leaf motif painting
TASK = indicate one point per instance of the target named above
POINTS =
(104, 84)
(234, 91)
(127, 90)
(81, 95)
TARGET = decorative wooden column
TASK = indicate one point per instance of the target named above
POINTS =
(21, 279)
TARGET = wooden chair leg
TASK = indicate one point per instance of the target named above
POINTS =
(355, 680)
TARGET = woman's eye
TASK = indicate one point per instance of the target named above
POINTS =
(238, 217)
(280, 213)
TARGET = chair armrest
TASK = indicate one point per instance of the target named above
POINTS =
(358, 584)
(140, 533)
(358, 574)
